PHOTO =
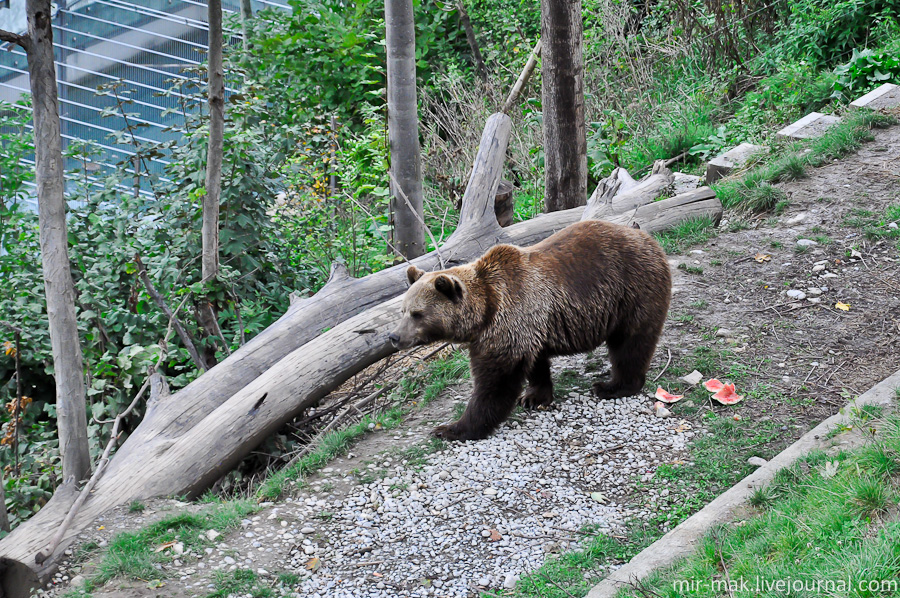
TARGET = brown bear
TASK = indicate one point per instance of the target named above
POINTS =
(517, 307)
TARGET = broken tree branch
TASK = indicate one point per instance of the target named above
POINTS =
(523, 78)
(14, 38)
(161, 303)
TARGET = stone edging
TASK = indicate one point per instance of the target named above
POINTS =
(684, 539)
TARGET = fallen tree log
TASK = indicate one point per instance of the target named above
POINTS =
(619, 192)
(189, 439)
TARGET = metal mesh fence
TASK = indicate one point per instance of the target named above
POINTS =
(136, 46)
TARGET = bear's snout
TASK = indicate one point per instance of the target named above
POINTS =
(395, 339)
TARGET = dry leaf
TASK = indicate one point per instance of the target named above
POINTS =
(842, 306)
(762, 257)
(598, 497)
(313, 564)
(162, 547)
(830, 469)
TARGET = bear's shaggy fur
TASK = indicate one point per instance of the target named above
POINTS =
(590, 283)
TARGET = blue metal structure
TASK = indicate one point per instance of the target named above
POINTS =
(140, 44)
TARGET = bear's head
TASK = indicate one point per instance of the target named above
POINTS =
(435, 308)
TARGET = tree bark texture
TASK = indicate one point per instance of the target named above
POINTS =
(187, 440)
(562, 93)
(504, 204)
(216, 91)
(68, 363)
(403, 129)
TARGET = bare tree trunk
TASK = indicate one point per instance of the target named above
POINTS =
(206, 311)
(466, 23)
(216, 80)
(562, 90)
(58, 285)
(246, 15)
(403, 129)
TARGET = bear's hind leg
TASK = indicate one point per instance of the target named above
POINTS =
(494, 398)
(540, 385)
(630, 360)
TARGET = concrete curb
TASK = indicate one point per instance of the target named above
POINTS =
(683, 540)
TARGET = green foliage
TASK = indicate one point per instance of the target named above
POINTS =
(328, 56)
(712, 146)
(792, 91)
(605, 142)
(866, 70)
(15, 145)
(822, 32)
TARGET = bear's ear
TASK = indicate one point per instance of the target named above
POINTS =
(413, 274)
(449, 286)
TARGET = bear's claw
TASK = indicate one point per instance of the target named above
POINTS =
(455, 432)
(537, 397)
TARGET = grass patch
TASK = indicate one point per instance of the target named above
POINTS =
(718, 461)
(243, 582)
(826, 521)
(876, 227)
(691, 269)
(133, 555)
(686, 234)
(418, 389)
(754, 191)
(332, 444)
(573, 573)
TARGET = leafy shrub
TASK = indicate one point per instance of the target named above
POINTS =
(866, 70)
(823, 32)
(605, 141)
(711, 146)
(794, 90)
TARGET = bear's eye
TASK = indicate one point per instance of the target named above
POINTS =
(417, 315)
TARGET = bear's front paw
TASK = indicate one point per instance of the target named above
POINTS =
(615, 390)
(536, 397)
(456, 432)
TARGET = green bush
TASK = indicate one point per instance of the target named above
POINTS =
(823, 32)
(866, 70)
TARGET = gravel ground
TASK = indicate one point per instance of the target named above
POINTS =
(505, 502)
(473, 516)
